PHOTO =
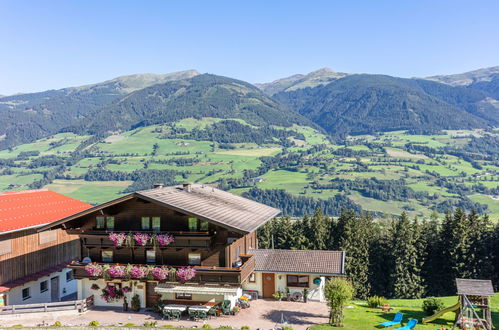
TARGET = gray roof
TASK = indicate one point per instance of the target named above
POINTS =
(474, 287)
(300, 261)
(212, 204)
(202, 201)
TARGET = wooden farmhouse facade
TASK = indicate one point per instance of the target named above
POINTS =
(33, 264)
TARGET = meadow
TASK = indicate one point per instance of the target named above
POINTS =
(383, 156)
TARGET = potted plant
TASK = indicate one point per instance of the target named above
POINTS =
(125, 305)
(288, 295)
(136, 303)
(278, 295)
(235, 310)
(305, 295)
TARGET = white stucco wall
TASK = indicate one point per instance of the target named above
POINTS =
(208, 297)
(14, 295)
(315, 292)
(84, 291)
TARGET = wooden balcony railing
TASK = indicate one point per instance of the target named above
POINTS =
(204, 274)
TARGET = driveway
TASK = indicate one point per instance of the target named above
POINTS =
(263, 313)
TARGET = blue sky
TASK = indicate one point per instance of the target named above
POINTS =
(55, 44)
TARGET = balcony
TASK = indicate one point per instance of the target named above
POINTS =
(183, 239)
(204, 275)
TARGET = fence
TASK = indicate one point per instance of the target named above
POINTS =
(79, 305)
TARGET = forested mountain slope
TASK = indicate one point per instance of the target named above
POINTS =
(363, 104)
(27, 117)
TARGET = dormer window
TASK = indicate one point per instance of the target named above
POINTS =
(193, 224)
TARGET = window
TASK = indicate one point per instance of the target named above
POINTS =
(44, 286)
(252, 278)
(99, 222)
(69, 276)
(47, 236)
(145, 223)
(5, 247)
(156, 223)
(104, 223)
(26, 294)
(107, 256)
(203, 225)
(110, 223)
(185, 296)
(151, 256)
(193, 224)
(116, 285)
(194, 259)
(297, 280)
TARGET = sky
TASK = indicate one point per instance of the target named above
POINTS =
(55, 44)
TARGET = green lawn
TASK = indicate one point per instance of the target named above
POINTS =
(360, 317)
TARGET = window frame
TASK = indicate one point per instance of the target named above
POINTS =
(102, 252)
(104, 223)
(69, 277)
(190, 221)
(46, 286)
(252, 278)
(153, 227)
(203, 225)
(28, 296)
(189, 258)
(183, 296)
(297, 284)
(149, 251)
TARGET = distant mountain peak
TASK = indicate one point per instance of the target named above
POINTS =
(315, 78)
(467, 78)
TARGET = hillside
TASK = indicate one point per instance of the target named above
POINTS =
(467, 78)
(204, 95)
(364, 104)
(313, 79)
(294, 168)
(27, 117)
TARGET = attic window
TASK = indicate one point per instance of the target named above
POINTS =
(45, 237)
(5, 247)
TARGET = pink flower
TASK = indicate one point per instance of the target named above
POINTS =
(165, 239)
(160, 273)
(138, 272)
(117, 238)
(93, 270)
(184, 274)
(116, 271)
(141, 238)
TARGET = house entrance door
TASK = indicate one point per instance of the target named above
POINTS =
(54, 288)
(151, 295)
(268, 284)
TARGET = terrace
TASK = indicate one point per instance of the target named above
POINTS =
(204, 274)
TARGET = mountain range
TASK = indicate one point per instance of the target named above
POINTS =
(338, 103)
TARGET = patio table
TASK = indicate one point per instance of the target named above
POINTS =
(199, 308)
(180, 308)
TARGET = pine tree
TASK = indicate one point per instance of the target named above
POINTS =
(405, 270)
(355, 241)
(318, 230)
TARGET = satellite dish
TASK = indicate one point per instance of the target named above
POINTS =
(87, 260)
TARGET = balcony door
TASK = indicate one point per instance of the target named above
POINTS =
(268, 284)
(151, 295)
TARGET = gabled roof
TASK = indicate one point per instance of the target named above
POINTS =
(299, 261)
(205, 202)
(474, 287)
(34, 208)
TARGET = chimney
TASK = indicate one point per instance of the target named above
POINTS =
(158, 185)
(187, 187)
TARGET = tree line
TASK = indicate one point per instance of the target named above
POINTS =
(399, 257)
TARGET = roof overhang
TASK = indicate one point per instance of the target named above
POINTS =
(86, 212)
(196, 289)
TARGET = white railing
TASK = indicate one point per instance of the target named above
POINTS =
(79, 305)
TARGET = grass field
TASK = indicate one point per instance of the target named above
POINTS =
(89, 192)
(360, 317)
(134, 150)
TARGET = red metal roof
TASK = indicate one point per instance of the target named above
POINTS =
(29, 208)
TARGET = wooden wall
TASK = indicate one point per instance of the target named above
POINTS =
(28, 256)
(238, 247)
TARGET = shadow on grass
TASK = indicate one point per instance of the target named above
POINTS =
(291, 317)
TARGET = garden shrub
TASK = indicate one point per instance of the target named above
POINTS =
(376, 301)
(245, 327)
(130, 325)
(93, 324)
(206, 326)
(57, 324)
(432, 305)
